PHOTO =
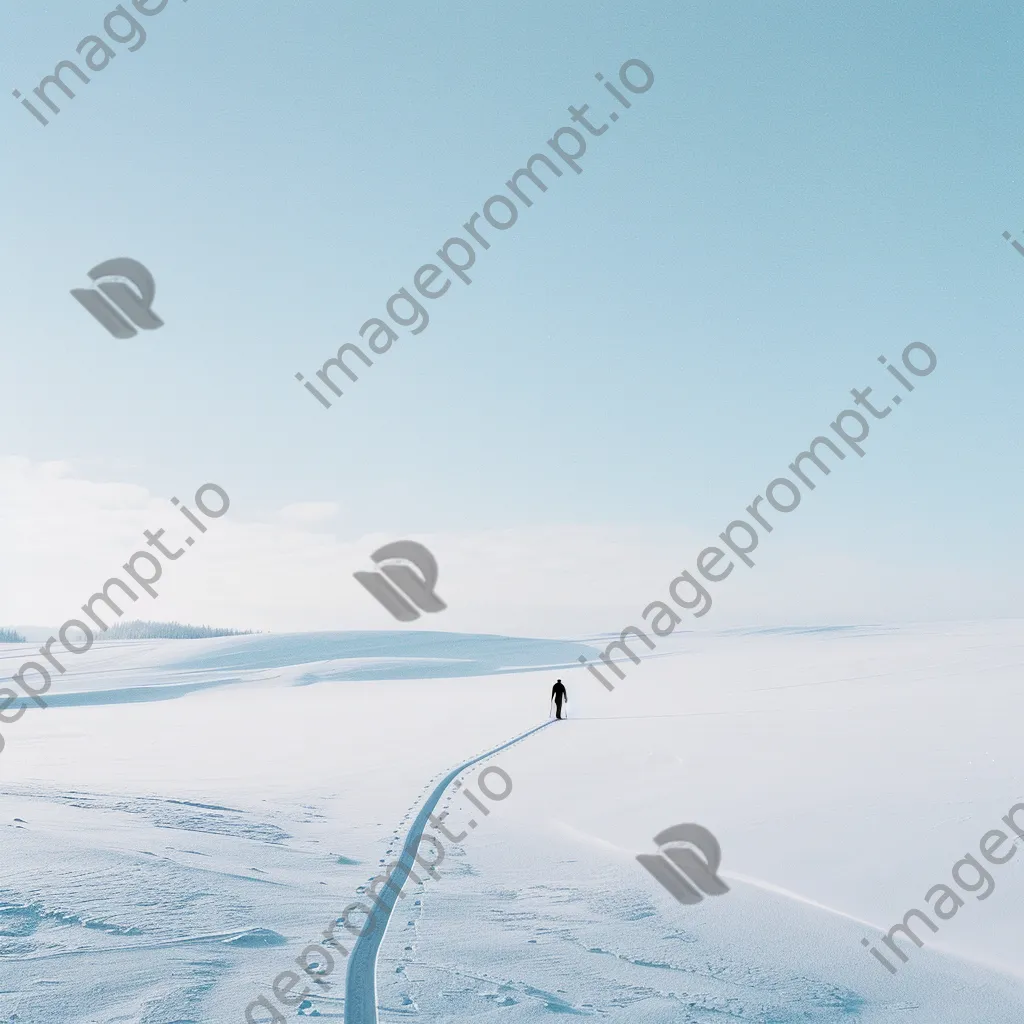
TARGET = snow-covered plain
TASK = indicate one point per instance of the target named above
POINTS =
(188, 815)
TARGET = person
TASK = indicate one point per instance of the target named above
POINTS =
(558, 695)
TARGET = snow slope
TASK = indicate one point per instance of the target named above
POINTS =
(165, 859)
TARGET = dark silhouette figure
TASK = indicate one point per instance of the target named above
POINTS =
(558, 695)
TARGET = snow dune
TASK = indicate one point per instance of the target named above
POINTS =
(121, 671)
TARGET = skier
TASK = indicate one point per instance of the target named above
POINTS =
(558, 695)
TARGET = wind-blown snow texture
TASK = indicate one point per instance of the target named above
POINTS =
(164, 859)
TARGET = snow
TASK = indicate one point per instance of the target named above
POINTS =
(188, 815)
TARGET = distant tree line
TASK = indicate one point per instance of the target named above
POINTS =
(10, 636)
(139, 629)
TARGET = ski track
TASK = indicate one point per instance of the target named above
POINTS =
(361, 982)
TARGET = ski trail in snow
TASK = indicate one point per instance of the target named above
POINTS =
(361, 982)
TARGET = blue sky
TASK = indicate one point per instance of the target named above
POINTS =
(800, 191)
